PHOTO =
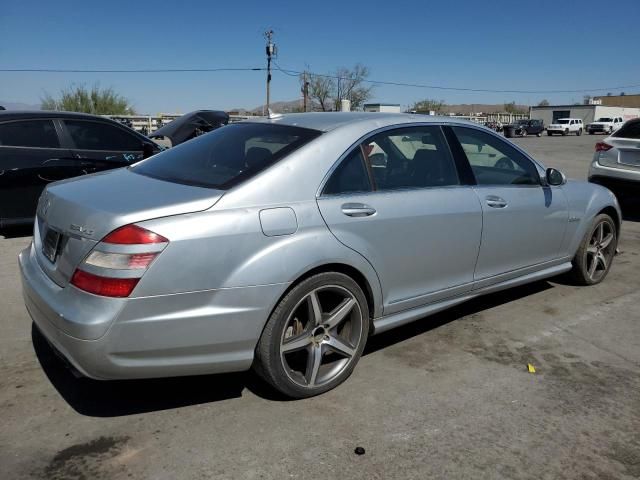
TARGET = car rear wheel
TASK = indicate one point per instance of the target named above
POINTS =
(314, 337)
(579, 132)
(524, 132)
(595, 254)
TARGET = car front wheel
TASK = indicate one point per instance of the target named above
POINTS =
(579, 132)
(314, 337)
(595, 254)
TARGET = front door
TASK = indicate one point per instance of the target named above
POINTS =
(397, 200)
(524, 222)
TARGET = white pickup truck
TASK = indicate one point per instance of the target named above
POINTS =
(564, 126)
(605, 125)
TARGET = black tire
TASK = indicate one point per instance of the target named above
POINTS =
(590, 132)
(581, 262)
(270, 359)
(565, 132)
(524, 132)
(579, 132)
(549, 133)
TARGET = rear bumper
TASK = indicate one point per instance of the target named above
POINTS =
(193, 333)
(625, 178)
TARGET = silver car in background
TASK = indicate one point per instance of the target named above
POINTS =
(282, 244)
(616, 161)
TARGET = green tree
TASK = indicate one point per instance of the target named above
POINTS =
(97, 101)
(428, 105)
(512, 108)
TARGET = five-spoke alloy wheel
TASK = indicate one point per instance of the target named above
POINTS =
(595, 255)
(315, 336)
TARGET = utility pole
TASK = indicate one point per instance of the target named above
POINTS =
(305, 91)
(271, 52)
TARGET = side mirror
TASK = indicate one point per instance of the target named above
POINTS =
(147, 149)
(555, 177)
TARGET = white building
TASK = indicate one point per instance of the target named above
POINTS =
(588, 113)
(382, 107)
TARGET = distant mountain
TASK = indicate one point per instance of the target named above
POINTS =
(18, 106)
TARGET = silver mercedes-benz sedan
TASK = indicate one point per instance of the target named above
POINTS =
(282, 244)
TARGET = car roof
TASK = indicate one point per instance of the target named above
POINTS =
(27, 114)
(326, 121)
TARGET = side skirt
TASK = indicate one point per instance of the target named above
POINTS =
(388, 322)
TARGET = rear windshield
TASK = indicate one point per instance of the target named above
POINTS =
(631, 129)
(227, 156)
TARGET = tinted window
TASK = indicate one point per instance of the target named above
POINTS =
(631, 129)
(226, 156)
(495, 162)
(409, 158)
(30, 133)
(350, 176)
(101, 136)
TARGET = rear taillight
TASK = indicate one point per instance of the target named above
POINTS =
(603, 147)
(114, 267)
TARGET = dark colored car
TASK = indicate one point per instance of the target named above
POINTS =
(188, 126)
(40, 147)
(524, 127)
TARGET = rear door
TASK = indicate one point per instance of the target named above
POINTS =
(524, 222)
(28, 150)
(399, 200)
(101, 146)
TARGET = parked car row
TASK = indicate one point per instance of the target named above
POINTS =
(40, 147)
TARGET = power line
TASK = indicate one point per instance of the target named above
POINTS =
(136, 70)
(295, 73)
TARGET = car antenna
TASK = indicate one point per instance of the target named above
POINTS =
(273, 116)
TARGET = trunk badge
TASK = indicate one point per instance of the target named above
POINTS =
(87, 232)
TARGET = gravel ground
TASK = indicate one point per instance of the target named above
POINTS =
(446, 397)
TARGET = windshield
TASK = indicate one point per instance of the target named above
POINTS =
(563, 122)
(604, 119)
(227, 156)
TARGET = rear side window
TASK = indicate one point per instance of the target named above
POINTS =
(350, 176)
(227, 156)
(89, 135)
(631, 129)
(29, 133)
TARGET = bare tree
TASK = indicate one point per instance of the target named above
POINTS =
(321, 89)
(543, 103)
(350, 85)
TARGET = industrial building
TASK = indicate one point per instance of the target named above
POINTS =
(382, 107)
(588, 113)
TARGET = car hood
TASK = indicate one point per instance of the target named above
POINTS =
(84, 210)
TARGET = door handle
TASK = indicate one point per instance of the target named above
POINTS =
(495, 201)
(357, 210)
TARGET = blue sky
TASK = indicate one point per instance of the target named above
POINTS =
(541, 45)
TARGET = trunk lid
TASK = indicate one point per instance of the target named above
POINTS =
(74, 215)
(626, 153)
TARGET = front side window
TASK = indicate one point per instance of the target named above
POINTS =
(89, 135)
(493, 161)
(29, 133)
(413, 157)
(226, 156)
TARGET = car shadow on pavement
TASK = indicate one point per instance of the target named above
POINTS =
(127, 397)
(465, 309)
(17, 232)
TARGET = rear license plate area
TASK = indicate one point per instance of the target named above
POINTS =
(51, 245)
